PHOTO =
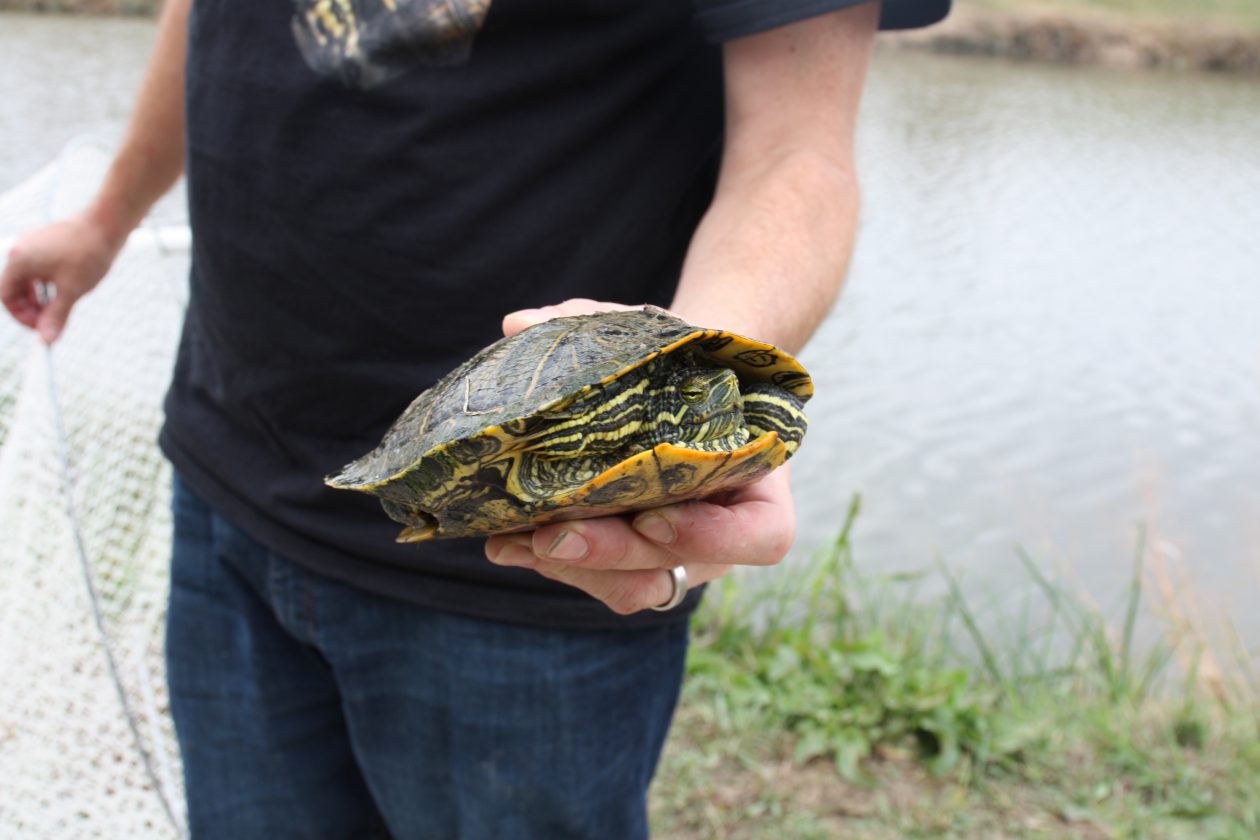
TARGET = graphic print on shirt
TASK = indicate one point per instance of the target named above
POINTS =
(365, 42)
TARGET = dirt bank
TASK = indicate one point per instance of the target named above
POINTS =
(1068, 37)
(1082, 37)
(136, 8)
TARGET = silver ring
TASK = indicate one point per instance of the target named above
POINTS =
(678, 578)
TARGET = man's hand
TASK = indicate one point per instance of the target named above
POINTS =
(620, 561)
(514, 322)
(71, 256)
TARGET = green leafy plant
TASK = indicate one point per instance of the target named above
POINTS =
(943, 720)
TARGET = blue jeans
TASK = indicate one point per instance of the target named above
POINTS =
(306, 708)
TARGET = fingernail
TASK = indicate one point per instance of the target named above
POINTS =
(656, 528)
(568, 546)
(514, 555)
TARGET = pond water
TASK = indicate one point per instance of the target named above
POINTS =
(1051, 330)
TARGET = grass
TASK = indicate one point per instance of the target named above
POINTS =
(837, 704)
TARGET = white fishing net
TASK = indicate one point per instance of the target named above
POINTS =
(78, 462)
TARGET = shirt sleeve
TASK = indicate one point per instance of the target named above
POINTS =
(723, 20)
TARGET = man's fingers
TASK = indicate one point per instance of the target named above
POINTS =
(516, 321)
(17, 289)
(747, 533)
(71, 256)
(23, 304)
(603, 544)
(510, 550)
(752, 526)
(606, 543)
(626, 592)
(52, 318)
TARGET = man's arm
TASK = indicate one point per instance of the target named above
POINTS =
(770, 255)
(767, 261)
(74, 254)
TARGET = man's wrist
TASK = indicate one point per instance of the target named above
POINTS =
(112, 220)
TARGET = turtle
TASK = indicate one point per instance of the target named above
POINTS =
(584, 416)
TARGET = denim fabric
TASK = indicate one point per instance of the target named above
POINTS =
(306, 708)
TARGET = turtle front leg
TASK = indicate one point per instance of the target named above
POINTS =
(769, 408)
(536, 478)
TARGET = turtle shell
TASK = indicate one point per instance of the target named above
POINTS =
(445, 467)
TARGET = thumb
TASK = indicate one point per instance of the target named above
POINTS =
(516, 321)
(52, 318)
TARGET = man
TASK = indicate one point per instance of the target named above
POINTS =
(372, 185)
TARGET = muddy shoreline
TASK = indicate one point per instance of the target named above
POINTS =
(1029, 34)
(127, 8)
(1089, 39)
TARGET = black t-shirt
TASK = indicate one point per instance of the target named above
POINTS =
(371, 193)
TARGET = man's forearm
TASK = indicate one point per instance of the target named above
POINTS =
(152, 153)
(770, 255)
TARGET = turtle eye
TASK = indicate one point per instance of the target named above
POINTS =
(692, 392)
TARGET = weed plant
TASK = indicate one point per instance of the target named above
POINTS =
(835, 703)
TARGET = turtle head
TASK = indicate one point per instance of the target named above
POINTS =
(706, 393)
(699, 404)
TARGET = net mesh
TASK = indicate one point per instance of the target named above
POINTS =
(78, 461)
